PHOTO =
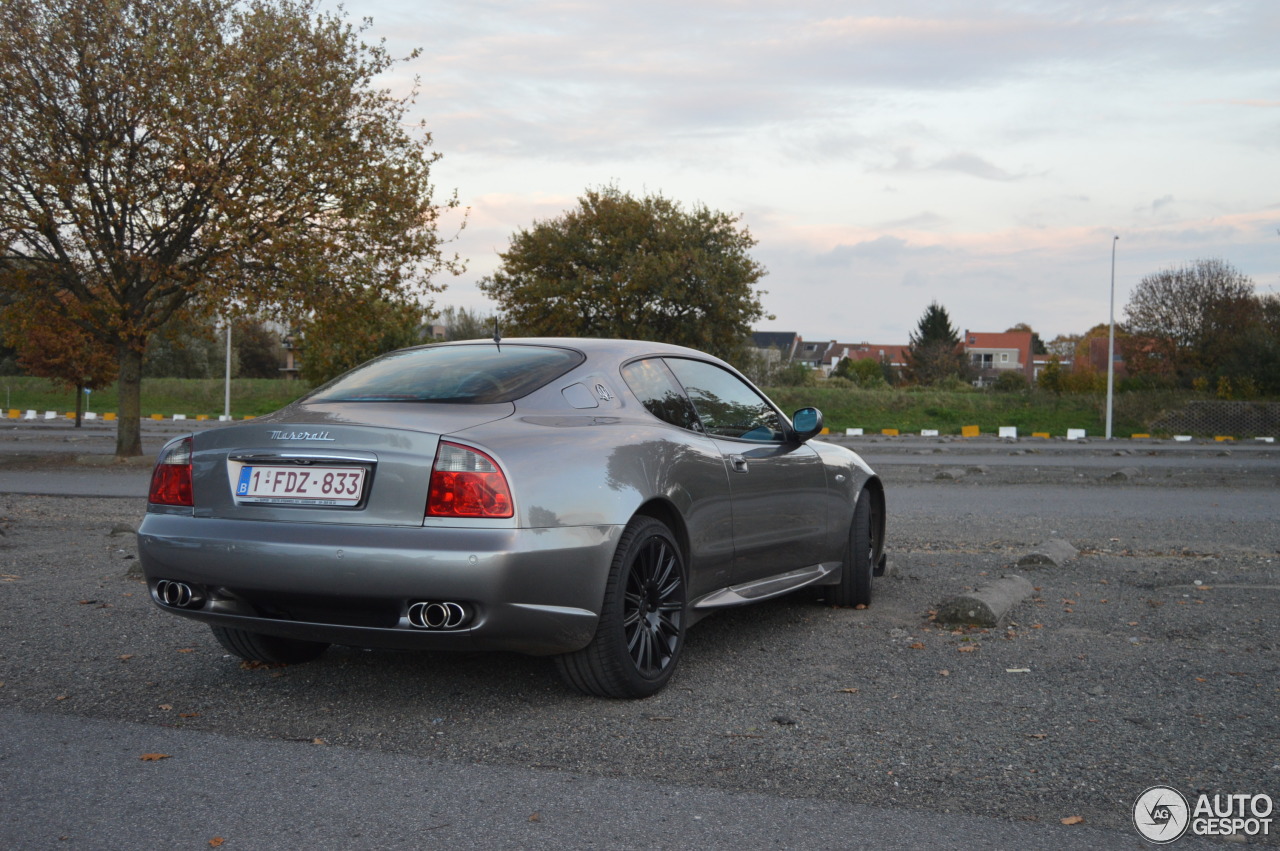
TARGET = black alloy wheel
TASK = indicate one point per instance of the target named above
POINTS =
(642, 622)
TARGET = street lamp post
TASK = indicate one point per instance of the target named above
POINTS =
(1111, 337)
(226, 397)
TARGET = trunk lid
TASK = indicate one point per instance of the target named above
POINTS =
(350, 463)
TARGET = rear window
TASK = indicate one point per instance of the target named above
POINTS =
(467, 375)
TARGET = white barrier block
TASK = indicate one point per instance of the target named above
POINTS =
(1009, 431)
(1182, 438)
(856, 432)
(1075, 434)
(928, 432)
(90, 415)
(50, 415)
(1266, 439)
(177, 417)
(222, 418)
(31, 415)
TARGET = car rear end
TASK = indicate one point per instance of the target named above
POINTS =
(367, 521)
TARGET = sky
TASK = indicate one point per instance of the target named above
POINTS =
(885, 155)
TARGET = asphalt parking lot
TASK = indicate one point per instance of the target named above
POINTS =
(1152, 658)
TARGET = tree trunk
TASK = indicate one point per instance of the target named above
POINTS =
(129, 426)
(79, 405)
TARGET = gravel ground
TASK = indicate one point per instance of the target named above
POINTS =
(1151, 658)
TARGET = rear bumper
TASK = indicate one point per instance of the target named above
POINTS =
(534, 591)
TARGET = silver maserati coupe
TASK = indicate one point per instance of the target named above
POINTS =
(586, 499)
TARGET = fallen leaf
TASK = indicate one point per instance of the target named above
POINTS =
(153, 757)
(944, 673)
(62, 697)
(126, 657)
(1073, 820)
(919, 645)
(849, 690)
(87, 602)
(1037, 626)
(1036, 735)
(968, 648)
(319, 742)
(535, 817)
(860, 606)
(166, 706)
(1201, 680)
(186, 650)
(188, 714)
(216, 842)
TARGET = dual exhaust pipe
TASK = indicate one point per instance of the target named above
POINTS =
(179, 595)
(431, 615)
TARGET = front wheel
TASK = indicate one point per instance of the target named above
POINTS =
(642, 622)
(854, 588)
(256, 647)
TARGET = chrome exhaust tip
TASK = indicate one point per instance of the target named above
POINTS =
(179, 595)
(437, 615)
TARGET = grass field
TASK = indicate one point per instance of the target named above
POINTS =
(908, 410)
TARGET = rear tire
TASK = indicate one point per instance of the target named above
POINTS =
(854, 588)
(642, 622)
(272, 649)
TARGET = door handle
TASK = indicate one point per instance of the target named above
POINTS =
(739, 463)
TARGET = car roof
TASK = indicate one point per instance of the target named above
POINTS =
(597, 347)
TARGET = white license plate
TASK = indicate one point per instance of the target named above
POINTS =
(301, 485)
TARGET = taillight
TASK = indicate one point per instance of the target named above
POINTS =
(467, 483)
(171, 479)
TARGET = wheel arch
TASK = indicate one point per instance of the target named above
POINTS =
(665, 512)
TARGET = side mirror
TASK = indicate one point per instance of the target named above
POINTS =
(807, 422)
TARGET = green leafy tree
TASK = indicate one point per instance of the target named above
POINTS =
(934, 354)
(256, 350)
(169, 156)
(1053, 377)
(637, 268)
(338, 340)
(864, 372)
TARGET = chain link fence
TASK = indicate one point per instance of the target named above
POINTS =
(1236, 419)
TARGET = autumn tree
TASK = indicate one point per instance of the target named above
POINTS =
(1194, 314)
(638, 268)
(50, 344)
(206, 156)
(934, 353)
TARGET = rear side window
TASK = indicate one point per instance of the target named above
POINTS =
(468, 375)
(657, 390)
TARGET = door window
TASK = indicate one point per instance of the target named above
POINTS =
(727, 406)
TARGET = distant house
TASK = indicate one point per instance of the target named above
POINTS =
(776, 346)
(895, 355)
(991, 353)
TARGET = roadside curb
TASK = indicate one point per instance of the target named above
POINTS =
(986, 606)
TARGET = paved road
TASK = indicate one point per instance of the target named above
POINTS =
(789, 725)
